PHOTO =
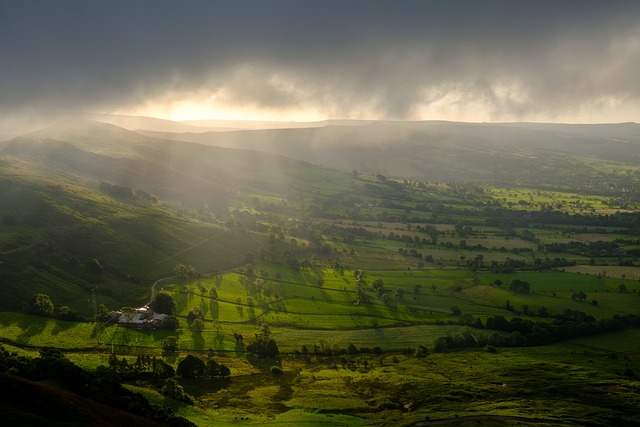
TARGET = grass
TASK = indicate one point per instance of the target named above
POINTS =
(626, 341)
(556, 383)
(33, 331)
(277, 209)
(611, 271)
(531, 199)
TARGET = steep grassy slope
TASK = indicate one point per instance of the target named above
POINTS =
(194, 174)
(51, 226)
(57, 211)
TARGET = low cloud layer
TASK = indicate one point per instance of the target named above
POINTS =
(455, 60)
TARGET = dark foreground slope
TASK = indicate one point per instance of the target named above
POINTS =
(28, 403)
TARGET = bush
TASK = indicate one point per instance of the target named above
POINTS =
(170, 343)
(421, 351)
(490, 349)
(276, 370)
(173, 390)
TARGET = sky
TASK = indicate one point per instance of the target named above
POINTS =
(572, 61)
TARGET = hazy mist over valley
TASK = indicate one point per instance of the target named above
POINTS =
(283, 213)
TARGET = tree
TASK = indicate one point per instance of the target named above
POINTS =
(213, 293)
(128, 312)
(195, 313)
(490, 349)
(162, 370)
(248, 269)
(276, 370)
(579, 296)
(42, 304)
(214, 369)
(170, 343)
(171, 322)
(272, 348)
(421, 351)
(66, 313)
(518, 286)
(543, 312)
(181, 271)
(440, 344)
(163, 303)
(377, 284)
(173, 390)
(191, 367)
(259, 284)
(198, 325)
(103, 313)
(263, 346)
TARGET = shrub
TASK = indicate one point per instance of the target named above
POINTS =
(173, 390)
(276, 370)
(421, 351)
(490, 349)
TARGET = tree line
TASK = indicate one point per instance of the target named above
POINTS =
(519, 332)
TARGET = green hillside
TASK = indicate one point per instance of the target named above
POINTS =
(346, 296)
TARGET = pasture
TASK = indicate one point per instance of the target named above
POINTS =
(318, 308)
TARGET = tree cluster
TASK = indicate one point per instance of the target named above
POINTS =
(569, 324)
(328, 350)
(143, 366)
(263, 346)
(194, 367)
(164, 303)
(184, 271)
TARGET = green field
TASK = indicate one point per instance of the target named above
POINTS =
(376, 289)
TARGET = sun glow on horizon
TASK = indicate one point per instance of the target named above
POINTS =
(185, 108)
(448, 104)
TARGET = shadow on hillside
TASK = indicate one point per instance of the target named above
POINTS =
(31, 327)
(214, 307)
(239, 348)
(60, 326)
(204, 307)
(198, 340)
(199, 387)
(263, 365)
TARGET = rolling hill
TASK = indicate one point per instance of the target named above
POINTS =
(392, 299)
(139, 204)
(524, 153)
(83, 189)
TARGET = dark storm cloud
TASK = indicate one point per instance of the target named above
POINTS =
(389, 58)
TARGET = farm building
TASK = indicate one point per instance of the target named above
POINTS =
(144, 318)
